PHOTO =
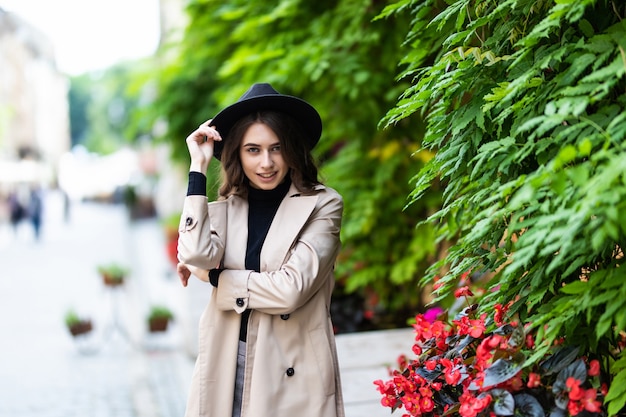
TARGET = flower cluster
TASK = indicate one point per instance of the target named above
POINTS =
(477, 366)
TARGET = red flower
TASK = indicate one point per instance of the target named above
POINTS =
(534, 380)
(477, 327)
(427, 404)
(474, 328)
(430, 364)
(589, 402)
(575, 392)
(451, 371)
(499, 314)
(594, 368)
(471, 406)
(483, 352)
(604, 389)
(402, 361)
(463, 292)
(425, 330)
(573, 407)
(387, 389)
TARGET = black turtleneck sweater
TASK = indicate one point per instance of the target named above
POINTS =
(263, 205)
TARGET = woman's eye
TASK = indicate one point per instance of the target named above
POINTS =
(253, 149)
(276, 149)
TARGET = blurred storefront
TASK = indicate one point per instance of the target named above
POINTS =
(34, 117)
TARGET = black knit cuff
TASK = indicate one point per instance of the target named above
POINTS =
(197, 183)
(214, 276)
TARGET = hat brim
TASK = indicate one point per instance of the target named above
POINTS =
(299, 109)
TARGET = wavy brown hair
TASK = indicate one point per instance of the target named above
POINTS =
(293, 147)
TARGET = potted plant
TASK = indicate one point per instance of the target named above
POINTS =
(76, 325)
(112, 274)
(159, 318)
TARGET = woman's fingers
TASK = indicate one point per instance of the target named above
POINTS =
(203, 134)
(200, 144)
(208, 131)
(183, 273)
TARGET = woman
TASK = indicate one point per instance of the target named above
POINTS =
(268, 248)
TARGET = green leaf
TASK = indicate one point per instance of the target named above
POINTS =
(503, 402)
(527, 406)
(586, 28)
(616, 396)
(560, 359)
(502, 370)
(576, 287)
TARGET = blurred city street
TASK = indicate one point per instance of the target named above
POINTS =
(121, 370)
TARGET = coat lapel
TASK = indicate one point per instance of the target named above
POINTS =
(291, 216)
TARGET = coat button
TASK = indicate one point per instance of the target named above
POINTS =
(188, 221)
(240, 302)
(284, 316)
(290, 372)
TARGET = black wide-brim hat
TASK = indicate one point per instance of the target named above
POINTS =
(262, 96)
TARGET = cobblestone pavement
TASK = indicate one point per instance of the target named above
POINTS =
(121, 370)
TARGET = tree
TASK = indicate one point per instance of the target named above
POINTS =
(107, 107)
(525, 110)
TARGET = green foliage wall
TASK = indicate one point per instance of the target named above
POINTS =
(525, 107)
(338, 57)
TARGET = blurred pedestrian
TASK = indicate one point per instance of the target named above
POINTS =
(35, 210)
(268, 248)
(16, 210)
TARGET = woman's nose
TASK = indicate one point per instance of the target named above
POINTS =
(267, 160)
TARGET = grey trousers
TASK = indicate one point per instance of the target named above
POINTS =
(241, 365)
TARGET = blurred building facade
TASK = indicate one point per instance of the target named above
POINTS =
(173, 21)
(34, 116)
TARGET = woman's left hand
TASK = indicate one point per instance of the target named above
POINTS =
(185, 271)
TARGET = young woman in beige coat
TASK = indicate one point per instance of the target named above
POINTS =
(267, 250)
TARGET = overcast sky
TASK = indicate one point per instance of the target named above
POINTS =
(93, 34)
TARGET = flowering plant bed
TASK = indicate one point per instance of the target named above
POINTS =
(479, 366)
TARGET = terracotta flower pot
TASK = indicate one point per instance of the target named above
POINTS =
(112, 281)
(80, 328)
(158, 324)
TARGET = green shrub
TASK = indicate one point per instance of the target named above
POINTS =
(525, 109)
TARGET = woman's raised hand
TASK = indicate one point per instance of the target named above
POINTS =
(200, 146)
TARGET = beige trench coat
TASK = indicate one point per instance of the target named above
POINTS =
(291, 360)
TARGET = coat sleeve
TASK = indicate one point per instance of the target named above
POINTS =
(309, 264)
(201, 233)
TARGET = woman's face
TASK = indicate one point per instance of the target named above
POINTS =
(261, 157)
